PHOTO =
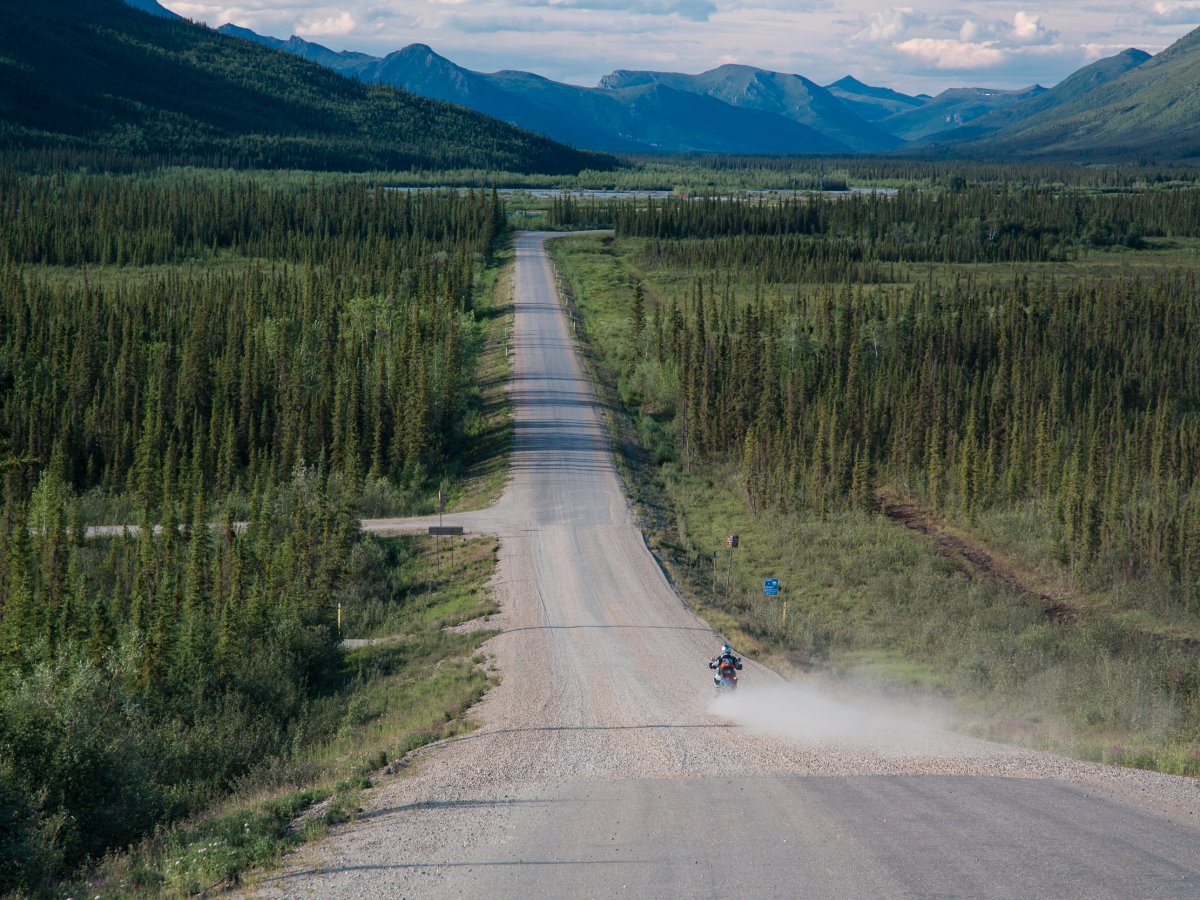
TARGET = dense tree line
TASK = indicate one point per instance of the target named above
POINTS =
(75, 220)
(140, 675)
(834, 172)
(976, 395)
(794, 237)
(351, 357)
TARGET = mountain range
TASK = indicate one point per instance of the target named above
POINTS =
(102, 76)
(92, 78)
(1101, 111)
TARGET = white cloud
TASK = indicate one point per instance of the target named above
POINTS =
(341, 24)
(1173, 13)
(887, 25)
(926, 42)
(943, 53)
(1023, 30)
(692, 10)
(1028, 29)
(496, 24)
(789, 6)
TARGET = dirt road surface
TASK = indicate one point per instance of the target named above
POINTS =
(603, 767)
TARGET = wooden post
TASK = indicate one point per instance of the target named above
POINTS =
(441, 505)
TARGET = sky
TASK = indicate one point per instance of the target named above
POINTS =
(926, 47)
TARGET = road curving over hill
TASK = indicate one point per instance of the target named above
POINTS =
(603, 768)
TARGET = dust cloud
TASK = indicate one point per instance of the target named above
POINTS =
(823, 714)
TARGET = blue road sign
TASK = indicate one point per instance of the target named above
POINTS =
(770, 587)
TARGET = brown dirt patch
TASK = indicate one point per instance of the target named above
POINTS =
(970, 558)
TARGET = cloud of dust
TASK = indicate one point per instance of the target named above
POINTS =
(820, 714)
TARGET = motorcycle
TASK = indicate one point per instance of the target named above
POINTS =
(726, 678)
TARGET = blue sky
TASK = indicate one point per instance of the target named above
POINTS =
(926, 46)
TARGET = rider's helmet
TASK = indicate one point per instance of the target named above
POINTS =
(726, 649)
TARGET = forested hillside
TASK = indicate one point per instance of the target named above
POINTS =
(1149, 111)
(99, 81)
(1043, 103)
(186, 353)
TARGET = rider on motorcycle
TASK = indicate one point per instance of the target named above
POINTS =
(727, 657)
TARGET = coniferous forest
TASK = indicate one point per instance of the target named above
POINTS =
(953, 407)
(189, 354)
(239, 366)
(845, 369)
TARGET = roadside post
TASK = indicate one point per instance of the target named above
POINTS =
(731, 541)
(437, 532)
(437, 541)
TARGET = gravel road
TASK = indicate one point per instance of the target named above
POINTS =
(604, 768)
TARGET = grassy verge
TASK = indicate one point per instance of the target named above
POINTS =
(388, 698)
(873, 601)
(488, 425)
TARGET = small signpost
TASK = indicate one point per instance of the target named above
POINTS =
(438, 530)
(731, 541)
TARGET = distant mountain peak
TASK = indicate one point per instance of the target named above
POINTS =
(152, 7)
(419, 60)
(849, 86)
(620, 78)
(246, 34)
(737, 67)
(234, 30)
(297, 46)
